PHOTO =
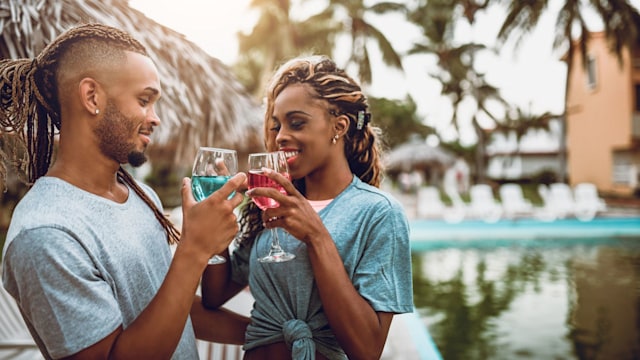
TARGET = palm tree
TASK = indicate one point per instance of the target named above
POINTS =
(276, 37)
(621, 22)
(398, 120)
(361, 32)
(457, 75)
(520, 122)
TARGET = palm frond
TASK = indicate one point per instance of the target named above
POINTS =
(389, 54)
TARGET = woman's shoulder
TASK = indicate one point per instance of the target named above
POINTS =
(373, 195)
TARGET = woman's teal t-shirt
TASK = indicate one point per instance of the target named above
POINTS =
(370, 230)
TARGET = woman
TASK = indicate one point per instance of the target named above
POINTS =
(352, 270)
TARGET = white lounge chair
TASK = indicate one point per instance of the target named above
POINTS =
(429, 202)
(545, 212)
(458, 210)
(430, 205)
(587, 201)
(483, 205)
(514, 203)
(561, 200)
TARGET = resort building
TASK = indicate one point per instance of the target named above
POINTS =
(602, 128)
(603, 118)
(512, 159)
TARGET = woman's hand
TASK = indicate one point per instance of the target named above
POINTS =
(295, 214)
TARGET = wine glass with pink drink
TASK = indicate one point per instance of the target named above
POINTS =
(277, 162)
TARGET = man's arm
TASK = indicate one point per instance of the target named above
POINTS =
(157, 330)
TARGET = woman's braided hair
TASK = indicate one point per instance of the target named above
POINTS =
(30, 105)
(330, 83)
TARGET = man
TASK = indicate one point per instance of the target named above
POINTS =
(87, 256)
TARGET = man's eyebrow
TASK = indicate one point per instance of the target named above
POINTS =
(152, 90)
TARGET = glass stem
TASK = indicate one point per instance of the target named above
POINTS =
(275, 242)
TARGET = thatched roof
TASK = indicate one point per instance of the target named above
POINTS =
(417, 155)
(202, 103)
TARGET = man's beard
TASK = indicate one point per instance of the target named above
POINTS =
(112, 130)
(137, 158)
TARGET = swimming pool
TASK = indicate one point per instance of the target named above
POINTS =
(525, 289)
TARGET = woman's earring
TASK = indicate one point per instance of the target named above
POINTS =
(334, 139)
(97, 111)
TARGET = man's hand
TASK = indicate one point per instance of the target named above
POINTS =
(210, 225)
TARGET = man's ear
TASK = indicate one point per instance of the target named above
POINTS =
(90, 95)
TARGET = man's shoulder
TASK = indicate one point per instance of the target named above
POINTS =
(47, 197)
(50, 202)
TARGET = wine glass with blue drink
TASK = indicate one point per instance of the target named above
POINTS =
(212, 168)
(277, 162)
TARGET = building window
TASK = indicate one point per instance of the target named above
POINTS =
(623, 173)
(591, 72)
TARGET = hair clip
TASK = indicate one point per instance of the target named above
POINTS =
(363, 119)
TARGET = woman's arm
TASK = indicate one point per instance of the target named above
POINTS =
(217, 286)
(361, 331)
(220, 326)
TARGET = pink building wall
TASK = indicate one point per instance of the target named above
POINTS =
(599, 117)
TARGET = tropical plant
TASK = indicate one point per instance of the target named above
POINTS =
(466, 152)
(482, 94)
(520, 121)
(398, 120)
(278, 36)
(460, 81)
(362, 31)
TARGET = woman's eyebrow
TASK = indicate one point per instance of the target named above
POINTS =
(297, 112)
(291, 113)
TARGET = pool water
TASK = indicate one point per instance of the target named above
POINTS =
(552, 299)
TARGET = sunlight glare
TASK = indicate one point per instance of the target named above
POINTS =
(212, 25)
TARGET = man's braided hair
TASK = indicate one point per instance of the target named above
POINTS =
(30, 105)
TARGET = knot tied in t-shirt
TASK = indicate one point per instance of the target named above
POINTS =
(299, 339)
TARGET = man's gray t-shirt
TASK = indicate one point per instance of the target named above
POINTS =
(80, 265)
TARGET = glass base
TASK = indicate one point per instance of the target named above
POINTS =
(276, 257)
(217, 259)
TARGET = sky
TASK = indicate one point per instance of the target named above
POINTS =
(532, 77)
